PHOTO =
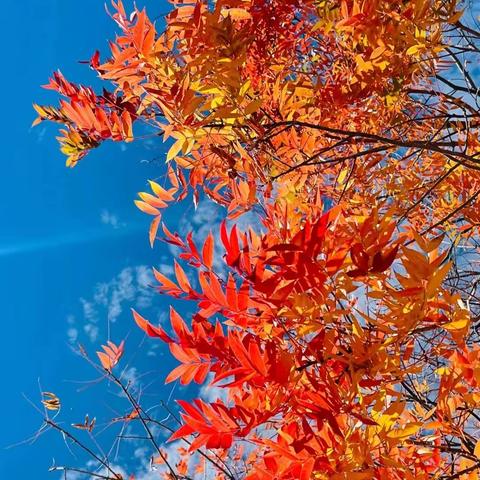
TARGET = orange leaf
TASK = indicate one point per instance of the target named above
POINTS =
(146, 208)
(151, 200)
(182, 278)
(207, 252)
(160, 192)
(152, 233)
(111, 356)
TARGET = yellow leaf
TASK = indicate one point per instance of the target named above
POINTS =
(405, 432)
(420, 33)
(476, 452)
(442, 371)
(362, 65)
(357, 330)
(303, 91)
(413, 50)
(343, 175)
(457, 325)
(175, 149)
(238, 13)
(244, 89)
(160, 192)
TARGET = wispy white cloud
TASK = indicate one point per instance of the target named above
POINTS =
(89, 310)
(72, 330)
(154, 471)
(130, 376)
(211, 393)
(108, 218)
(166, 268)
(91, 330)
(129, 288)
(72, 334)
(207, 218)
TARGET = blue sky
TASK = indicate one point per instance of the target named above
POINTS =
(74, 253)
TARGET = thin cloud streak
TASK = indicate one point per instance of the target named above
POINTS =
(74, 238)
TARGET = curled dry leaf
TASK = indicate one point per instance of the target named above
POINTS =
(51, 401)
(86, 425)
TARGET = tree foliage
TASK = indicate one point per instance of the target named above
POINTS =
(342, 323)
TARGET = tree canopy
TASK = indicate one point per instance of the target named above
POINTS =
(342, 322)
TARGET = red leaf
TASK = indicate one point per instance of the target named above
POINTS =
(193, 248)
(256, 358)
(231, 292)
(149, 329)
(383, 260)
(183, 431)
(201, 374)
(171, 238)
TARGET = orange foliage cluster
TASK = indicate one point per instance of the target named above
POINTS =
(343, 352)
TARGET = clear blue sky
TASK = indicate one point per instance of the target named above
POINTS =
(73, 247)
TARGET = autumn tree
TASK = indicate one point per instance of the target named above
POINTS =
(342, 324)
